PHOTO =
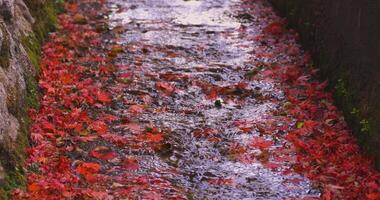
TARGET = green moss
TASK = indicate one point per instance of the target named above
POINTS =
(33, 48)
(32, 94)
(341, 88)
(12, 156)
(12, 159)
(46, 21)
(46, 17)
(361, 125)
(366, 127)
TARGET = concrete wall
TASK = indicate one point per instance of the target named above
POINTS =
(344, 39)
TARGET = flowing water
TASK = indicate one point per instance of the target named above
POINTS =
(176, 52)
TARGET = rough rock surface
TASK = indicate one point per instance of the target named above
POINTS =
(15, 23)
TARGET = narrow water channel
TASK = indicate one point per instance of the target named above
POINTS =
(186, 63)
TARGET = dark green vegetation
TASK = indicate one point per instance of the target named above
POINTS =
(343, 39)
(46, 20)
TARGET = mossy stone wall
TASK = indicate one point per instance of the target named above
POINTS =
(20, 59)
(343, 37)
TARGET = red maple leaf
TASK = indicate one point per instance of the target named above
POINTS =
(205, 132)
(103, 154)
(261, 143)
(99, 126)
(103, 97)
(136, 109)
(88, 168)
(271, 165)
(221, 181)
(131, 164)
(213, 94)
(167, 88)
(134, 127)
(66, 79)
(274, 28)
(34, 188)
(373, 196)
(154, 137)
(47, 126)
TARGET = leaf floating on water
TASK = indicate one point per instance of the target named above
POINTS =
(167, 88)
(221, 181)
(134, 127)
(172, 55)
(103, 153)
(261, 143)
(131, 164)
(136, 109)
(205, 132)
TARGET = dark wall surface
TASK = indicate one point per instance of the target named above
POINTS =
(344, 39)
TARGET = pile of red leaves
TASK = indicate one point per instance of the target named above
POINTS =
(327, 152)
(77, 74)
(62, 121)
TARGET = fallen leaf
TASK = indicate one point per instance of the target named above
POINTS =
(261, 143)
(131, 164)
(99, 126)
(136, 109)
(154, 137)
(103, 97)
(88, 168)
(275, 28)
(34, 188)
(103, 153)
(167, 88)
(79, 19)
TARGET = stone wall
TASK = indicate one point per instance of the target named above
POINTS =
(343, 37)
(23, 24)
